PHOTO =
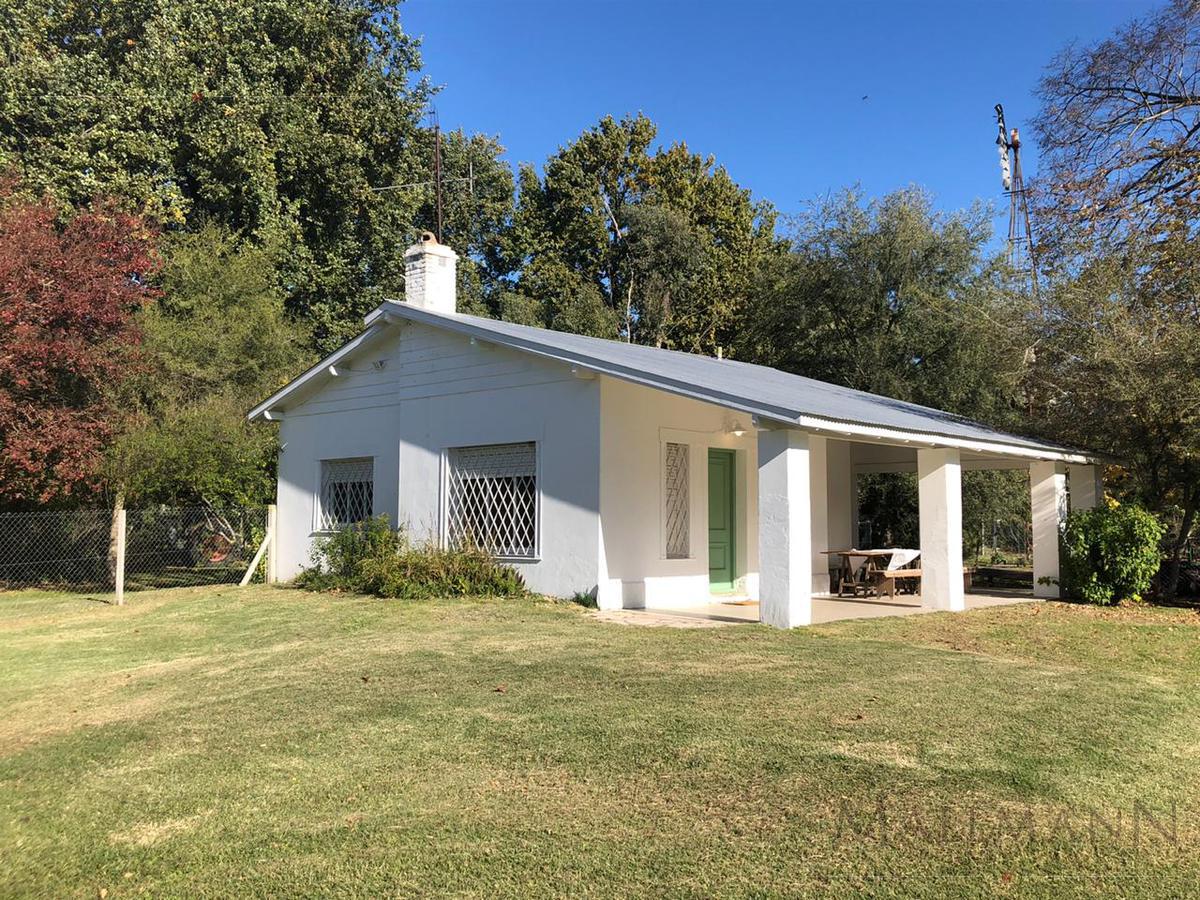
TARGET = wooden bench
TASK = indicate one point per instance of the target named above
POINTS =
(889, 578)
(1018, 575)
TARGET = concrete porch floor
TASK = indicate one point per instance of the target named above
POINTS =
(825, 609)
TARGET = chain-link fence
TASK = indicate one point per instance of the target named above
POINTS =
(70, 549)
(85, 550)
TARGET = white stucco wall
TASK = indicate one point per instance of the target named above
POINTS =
(436, 390)
(407, 395)
(636, 422)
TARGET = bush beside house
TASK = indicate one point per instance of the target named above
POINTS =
(1110, 553)
(374, 558)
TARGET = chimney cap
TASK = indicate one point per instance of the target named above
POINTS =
(428, 244)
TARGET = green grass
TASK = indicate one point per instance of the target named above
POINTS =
(264, 741)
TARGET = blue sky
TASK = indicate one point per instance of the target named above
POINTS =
(773, 90)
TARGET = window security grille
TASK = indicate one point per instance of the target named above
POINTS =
(676, 497)
(347, 492)
(492, 499)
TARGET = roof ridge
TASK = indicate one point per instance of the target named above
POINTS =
(798, 401)
(741, 363)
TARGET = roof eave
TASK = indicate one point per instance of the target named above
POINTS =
(260, 412)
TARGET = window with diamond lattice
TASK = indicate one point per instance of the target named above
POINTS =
(676, 498)
(347, 492)
(492, 499)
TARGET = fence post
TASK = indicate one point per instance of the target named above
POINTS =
(119, 573)
(273, 547)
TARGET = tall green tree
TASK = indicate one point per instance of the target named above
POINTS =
(477, 210)
(1118, 369)
(289, 122)
(893, 297)
(651, 245)
(1118, 361)
(216, 342)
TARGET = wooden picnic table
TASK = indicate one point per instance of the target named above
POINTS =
(873, 577)
(863, 579)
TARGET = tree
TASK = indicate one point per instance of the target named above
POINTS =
(68, 294)
(891, 297)
(995, 510)
(286, 121)
(216, 343)
(663, 239)
(1118, 359)
(731, 235)
(553, 295)
(570, 218)
(1119, 370)
(1119, 130)
(665, 264)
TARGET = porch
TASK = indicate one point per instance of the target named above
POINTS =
(807, 490)
(754, 508)
(825, 608)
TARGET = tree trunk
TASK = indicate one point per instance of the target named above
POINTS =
(1170, 582)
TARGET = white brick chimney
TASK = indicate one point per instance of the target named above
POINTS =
(429, 275)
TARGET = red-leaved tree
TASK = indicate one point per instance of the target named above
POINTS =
(68, 294)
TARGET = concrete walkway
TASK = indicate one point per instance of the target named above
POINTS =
(825, 609)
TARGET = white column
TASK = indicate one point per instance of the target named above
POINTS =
(1087, 486)
(819, 492)
(840, 491)
(1048, 501)
(939, 475)
(784, 529)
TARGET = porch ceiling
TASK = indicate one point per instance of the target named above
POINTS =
(880, 457)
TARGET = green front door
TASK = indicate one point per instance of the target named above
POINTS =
(721, 519)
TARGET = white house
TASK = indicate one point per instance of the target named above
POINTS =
(646, 476)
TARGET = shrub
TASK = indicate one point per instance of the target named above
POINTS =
(417, 573)
(1110, 554)
(586, 599)
(338, 558)
(373, 558)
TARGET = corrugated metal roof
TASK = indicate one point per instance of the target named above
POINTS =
(759, 390)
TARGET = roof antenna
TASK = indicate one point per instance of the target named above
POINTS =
(438, 181)
(437, 171)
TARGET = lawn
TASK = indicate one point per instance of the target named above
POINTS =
(262, 741)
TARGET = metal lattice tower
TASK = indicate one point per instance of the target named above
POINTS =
(1020, 250)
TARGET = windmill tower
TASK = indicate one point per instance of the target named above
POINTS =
(1020, 234)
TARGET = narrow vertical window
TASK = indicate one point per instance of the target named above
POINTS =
(347, 492)
(492, 499)
(677, 500)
